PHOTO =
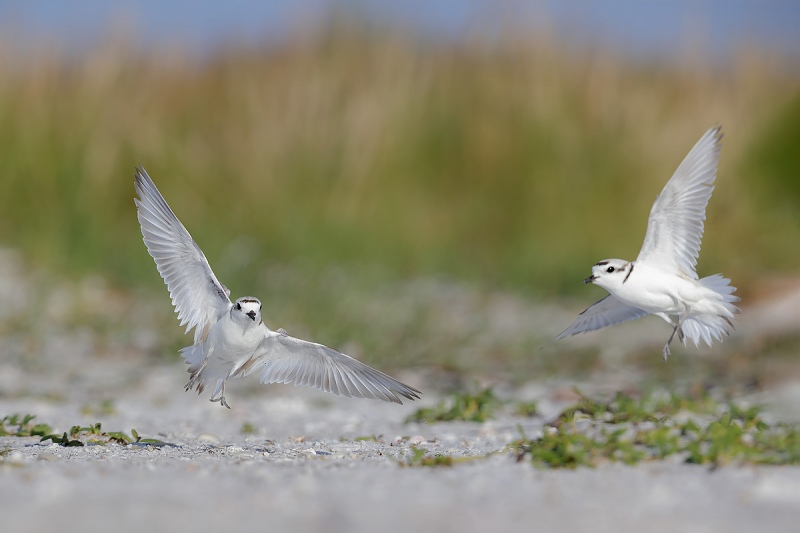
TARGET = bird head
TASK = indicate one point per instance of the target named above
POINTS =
(247, 309)
(610, 273)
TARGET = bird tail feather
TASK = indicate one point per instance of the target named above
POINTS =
(194, 357)
(708, 326)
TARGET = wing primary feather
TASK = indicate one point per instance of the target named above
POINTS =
(196, 293)
(676, 222)
(284, 359)
(606, 312)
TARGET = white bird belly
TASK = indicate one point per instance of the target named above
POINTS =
(229, 346)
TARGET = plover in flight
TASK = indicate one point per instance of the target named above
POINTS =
(230, 340)
(662, 281)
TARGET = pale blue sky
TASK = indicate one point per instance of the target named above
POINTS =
(637, 27)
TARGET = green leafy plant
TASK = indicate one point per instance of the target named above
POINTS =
(479, 407)
(475, 408)
(420, 457)
(526, 409)
(17, 425)
(22, 426)
(93, 434)
(630, 430)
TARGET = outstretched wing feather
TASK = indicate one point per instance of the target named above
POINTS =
(198, 296)
(675, 226)
(607, 312)
(285, 359)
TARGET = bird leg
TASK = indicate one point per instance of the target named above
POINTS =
(677, 329)
(221, 397)
(665, 352)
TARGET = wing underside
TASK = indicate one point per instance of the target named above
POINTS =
(198, 296)
(607, 312)
(285, 359)
(675, 226)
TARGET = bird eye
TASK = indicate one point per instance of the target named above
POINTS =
(238, 307)
(610, 270)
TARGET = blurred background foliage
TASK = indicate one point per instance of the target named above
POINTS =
(510, 161)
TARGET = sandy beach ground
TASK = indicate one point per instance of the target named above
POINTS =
(303, 465)
(292, 459)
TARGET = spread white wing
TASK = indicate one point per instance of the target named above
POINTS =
(675, 227)
(285, 359)
(607, 312)
(198, 296)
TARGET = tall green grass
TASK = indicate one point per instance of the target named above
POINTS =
(513, 162)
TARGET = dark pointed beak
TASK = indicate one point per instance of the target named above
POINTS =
(252, 315)
(590, 279)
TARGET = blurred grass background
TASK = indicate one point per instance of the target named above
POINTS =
(352, 156)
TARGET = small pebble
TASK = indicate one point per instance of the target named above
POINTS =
(48, 456)
(208, 437)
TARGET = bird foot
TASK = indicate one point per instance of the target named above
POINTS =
(665, 352)
(221, 401)
(221, 397)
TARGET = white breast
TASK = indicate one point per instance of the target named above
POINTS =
(228, 346)
(655, 291)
